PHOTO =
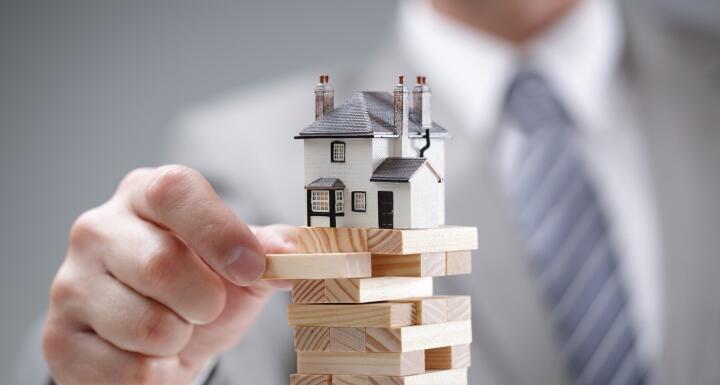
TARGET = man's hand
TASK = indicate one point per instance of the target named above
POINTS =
(155, 282)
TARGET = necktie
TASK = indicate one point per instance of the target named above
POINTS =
(568, 241)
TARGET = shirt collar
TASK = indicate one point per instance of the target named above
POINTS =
(472, 70)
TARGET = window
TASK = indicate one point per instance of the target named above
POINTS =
(358, 200)
(320, 201)
(337, 152)
(339, 207)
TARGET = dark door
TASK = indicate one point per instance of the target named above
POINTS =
(385, 209)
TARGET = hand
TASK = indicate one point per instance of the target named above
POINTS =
(155, 282)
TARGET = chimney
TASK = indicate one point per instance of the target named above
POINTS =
(401, 106)
(421, 103)
(324, 97)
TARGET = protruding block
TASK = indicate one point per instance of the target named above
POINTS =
(441, 239)
(410, 265)
(419, 337)
(459, 307)
(332, 240)
(458, 262)
(347, 339)
(310, 379)
(384, 364)
(360, 290)
(430, 310)
(449, 357)
(318, 266)
(312, 338)
(443, 377)
(389, 314)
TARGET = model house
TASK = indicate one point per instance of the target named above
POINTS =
(374, 161)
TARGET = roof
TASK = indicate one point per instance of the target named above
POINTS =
(400, 169)
(326, 184)
(365, 115)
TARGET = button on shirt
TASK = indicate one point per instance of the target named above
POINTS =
(580, 56)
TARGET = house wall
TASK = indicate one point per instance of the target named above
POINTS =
(425, 200)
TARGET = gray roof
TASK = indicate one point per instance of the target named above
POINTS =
(326, 184)
(400, 169)
(364, 115)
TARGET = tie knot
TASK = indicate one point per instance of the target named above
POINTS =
(533, 104)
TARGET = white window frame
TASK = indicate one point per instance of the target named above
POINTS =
(337, 152)
(356, 202)
(339, 202)
(320, 201)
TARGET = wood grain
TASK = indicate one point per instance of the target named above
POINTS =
(419, 337)
(318, 266)
(441, 239)
(386, 364)
(389, 314)
(312, 338)
(458, 262)
(332, 240)
(347, 339)
(310, 379)
(448, 357)
(361, 290)
(409, 265)
(439, 377)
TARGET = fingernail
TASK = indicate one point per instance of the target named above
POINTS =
(244, 266)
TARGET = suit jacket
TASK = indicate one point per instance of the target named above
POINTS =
(244, 145)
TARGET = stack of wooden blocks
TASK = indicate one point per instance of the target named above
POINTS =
(364, 311)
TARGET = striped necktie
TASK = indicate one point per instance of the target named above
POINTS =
(568, 241)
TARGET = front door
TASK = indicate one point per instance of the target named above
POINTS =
(385, 209)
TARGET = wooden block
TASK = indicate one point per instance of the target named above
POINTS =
(448, 357)
(332, 240)
(312, 339)
(390, 314)
(310, 379)
(459, 307)
(458, 262)
(438, 377)
(441, 239)
(421, 337)
(309, 291)
(384, 364)
(347, 339)
(318, 266)
(360, 290)
(409, 265)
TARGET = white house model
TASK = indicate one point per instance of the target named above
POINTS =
(373, 161)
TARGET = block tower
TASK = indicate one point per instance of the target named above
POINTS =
(364, 311)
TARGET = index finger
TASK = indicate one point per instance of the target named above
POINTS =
(181, 200)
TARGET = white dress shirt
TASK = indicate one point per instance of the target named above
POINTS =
(580, 58)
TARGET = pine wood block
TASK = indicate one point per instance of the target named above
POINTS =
(421, 337)
(458, 262)
(409, 265)
(439, 377)
(332, 240)
(312, 338)
(360, 290)
(441, 239)
(347, 339)
(310, 379)
(448, 357)
(459, 307)
(318, 266)
(384, 364)
(390, 314)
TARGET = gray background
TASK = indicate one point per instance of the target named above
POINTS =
(88, 90)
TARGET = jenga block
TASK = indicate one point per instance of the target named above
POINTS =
(430, 310)
(332, 240)
(310, 379)
(439, 377)
(384, 364)
(312, 338)
(458, 307)
(409, 265)
(458, 262)
(318, 266)
(441, 239)
(360, 315)
(421, 337)
(347, 339)
(448, 357)
(360, 290)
